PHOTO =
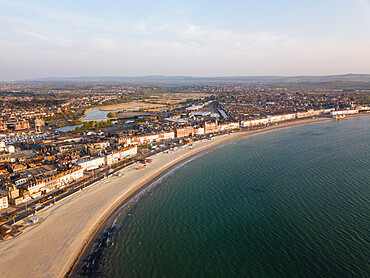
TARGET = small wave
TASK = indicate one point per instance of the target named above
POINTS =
(115, 221)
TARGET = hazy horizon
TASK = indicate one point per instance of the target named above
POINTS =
(189, 78)
(41, 39)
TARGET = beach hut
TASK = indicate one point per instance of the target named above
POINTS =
(5, 229)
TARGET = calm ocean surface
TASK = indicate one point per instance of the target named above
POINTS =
(287, 203)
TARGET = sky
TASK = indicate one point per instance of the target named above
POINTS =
(183, 37)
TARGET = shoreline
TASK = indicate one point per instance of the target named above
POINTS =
(108, 219)
(69, 233)
(98, 231)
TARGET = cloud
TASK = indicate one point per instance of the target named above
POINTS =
(49, 39)
(141, 27)
(172, 38)
(192, 31)
(201, 38)
(102, 43)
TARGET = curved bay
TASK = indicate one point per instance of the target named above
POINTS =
(287, 203)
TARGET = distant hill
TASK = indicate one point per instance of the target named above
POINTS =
(190, 79)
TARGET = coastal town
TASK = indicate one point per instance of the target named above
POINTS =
(51, 146)
(184, 139)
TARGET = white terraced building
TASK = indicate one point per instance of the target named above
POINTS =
(121, 154)
(92, 163)
(343, 112)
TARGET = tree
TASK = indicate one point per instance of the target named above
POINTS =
(111, 115)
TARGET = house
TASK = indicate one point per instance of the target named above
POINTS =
(120, 155)
(4, 202)
(183, 131)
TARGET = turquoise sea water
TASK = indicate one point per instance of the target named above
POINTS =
(287, 203)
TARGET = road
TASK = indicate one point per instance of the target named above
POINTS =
(30, 208)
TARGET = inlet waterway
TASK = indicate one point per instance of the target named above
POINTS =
(97, 114)
(287, 203)
(92, 115)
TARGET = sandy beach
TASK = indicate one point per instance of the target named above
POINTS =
(50, 248)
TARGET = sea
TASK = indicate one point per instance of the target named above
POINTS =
(292, 202)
